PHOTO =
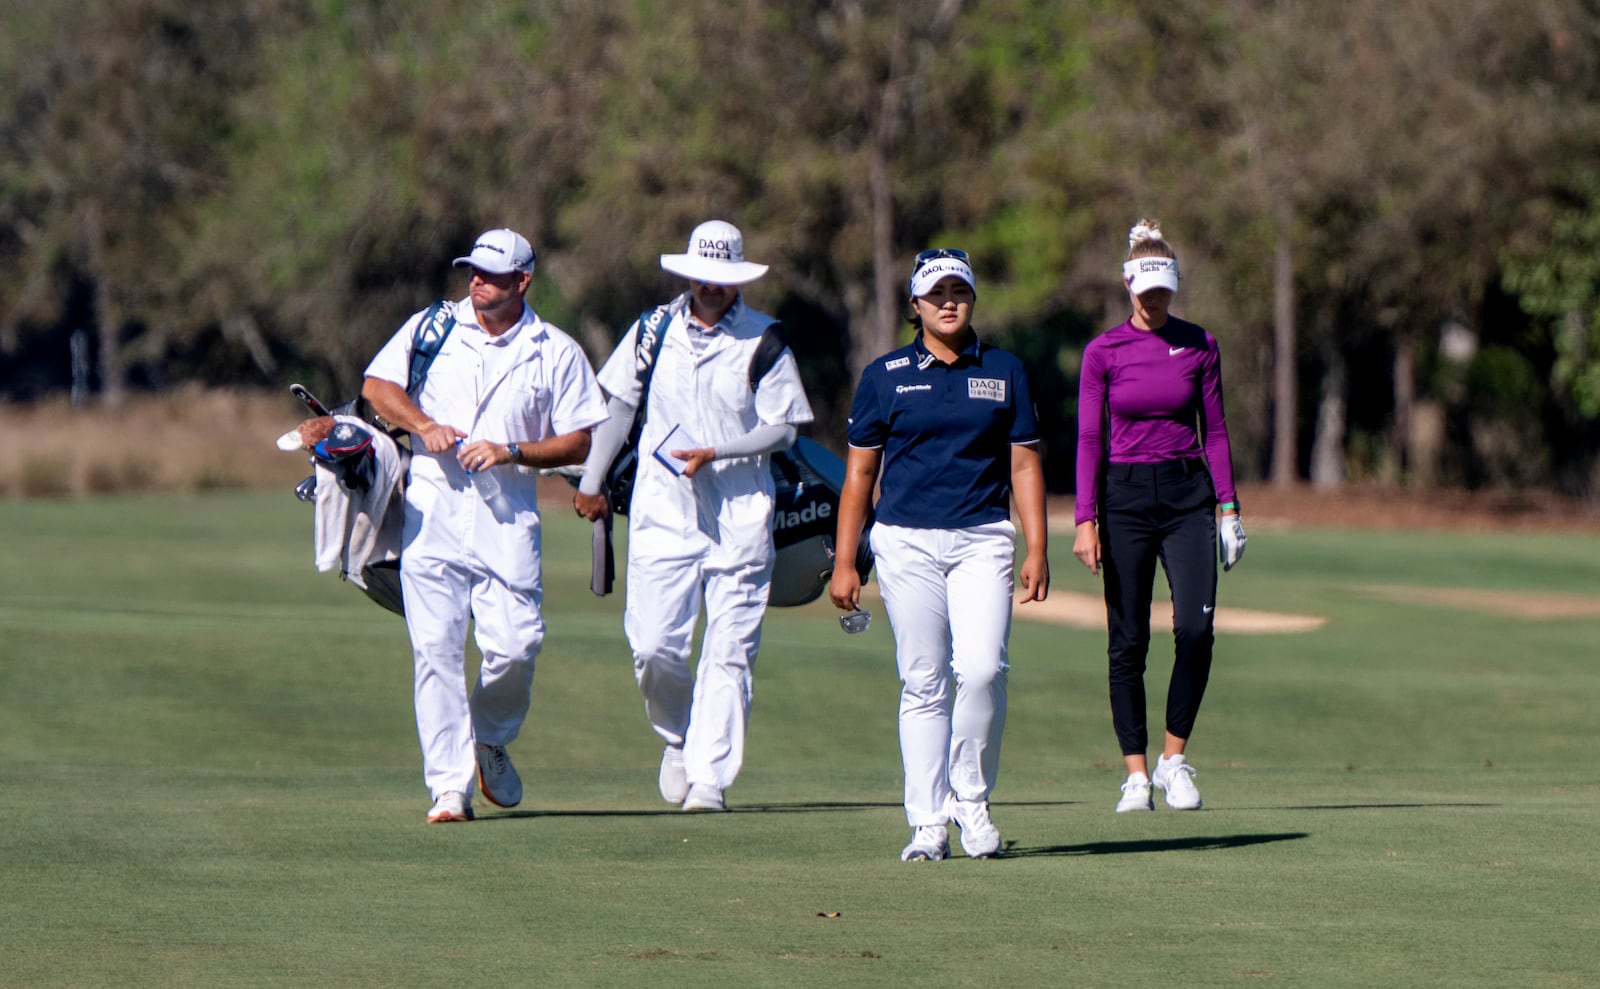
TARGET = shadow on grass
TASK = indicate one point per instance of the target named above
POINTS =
(808, 807)
(1366, 806)
(1192, 844)
(667, 810)
(826, 805)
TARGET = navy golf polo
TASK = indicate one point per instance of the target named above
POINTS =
(946, 431)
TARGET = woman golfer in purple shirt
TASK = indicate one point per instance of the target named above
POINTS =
(1157, 379)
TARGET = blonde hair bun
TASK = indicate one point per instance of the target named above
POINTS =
(1144, 230)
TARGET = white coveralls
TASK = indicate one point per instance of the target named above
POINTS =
(459, 561)
(702, 539)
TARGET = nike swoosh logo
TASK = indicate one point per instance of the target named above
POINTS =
(1173, 351)
(1206, 609)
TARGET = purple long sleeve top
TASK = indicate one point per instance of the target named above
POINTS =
(1163, 389)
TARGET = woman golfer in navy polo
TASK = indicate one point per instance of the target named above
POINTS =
(949, 424)
(1154, 494)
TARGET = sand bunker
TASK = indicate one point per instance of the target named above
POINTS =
(1514, 604)
(1089, 611)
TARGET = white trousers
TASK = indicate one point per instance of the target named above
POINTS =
(705, 711)
(948, 594)
(441, 596)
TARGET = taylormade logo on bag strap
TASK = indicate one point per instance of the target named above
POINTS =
(437, 326)
(647, 348)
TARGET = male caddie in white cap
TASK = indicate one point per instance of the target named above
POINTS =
(506, 392)
(700, 526)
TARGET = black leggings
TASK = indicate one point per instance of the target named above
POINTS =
(1162, 511)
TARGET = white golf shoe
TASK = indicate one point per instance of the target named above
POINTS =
(497, 777)
(450, 808)
(928, 844)
(704, 799)
(1136, 794)
(674, 785)
(980, 839)
(1175, 779)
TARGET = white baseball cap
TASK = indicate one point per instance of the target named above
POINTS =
(498, 252)
(715, 255)
(1144, 274)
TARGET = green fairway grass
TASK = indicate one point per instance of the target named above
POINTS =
(209, 776)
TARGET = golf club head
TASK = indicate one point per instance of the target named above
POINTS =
(347, 451)
(855, 622)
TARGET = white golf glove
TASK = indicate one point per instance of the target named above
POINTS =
(1231, 537)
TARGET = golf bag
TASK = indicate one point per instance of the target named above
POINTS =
(807, 480)
(348, 453)
(358, 488)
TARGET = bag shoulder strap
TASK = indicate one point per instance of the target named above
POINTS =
(426, 340)
(646, 348)
(773, 343)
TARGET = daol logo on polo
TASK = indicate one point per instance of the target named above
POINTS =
(988, 389)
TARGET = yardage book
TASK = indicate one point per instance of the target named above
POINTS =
(677, 439)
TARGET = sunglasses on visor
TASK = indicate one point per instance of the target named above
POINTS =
(935, 254)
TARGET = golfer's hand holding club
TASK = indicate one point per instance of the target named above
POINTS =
(1231, 540)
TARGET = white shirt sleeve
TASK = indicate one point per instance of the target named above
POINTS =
(577, 402)
(780, 396)
(393, 362)
(620, 374)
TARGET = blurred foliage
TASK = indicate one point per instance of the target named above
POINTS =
(1561, 285)
(260, 191)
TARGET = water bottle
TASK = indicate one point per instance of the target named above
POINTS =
(488, 487)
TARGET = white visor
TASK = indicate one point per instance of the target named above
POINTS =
(929, 274)
(1144, 274)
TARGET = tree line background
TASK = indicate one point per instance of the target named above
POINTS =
(1388, 213)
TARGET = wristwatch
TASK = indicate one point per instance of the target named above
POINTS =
(515, 451)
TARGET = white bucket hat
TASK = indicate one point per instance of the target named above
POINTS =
(715, 255)
(498, 252)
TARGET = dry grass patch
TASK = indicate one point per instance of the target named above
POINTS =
(186, 440)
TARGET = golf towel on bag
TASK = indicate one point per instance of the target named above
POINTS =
(355, 529)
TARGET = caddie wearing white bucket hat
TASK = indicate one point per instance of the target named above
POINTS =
(700, 524)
